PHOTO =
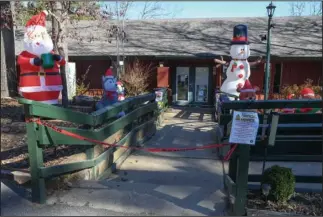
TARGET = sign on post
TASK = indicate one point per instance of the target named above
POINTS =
(159, 96)
(244, 128)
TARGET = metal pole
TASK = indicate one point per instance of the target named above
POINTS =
(267, 71)
(118, 32)
(123, 43)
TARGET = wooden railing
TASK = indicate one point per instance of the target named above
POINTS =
(301, 130)
(139, 122)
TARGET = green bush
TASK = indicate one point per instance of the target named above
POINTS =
(282, 183)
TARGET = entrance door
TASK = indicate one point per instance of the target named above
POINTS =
(201, 84)
(182, 83)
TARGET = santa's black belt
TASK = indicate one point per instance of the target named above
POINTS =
(39, 73)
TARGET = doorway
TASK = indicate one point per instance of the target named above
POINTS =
(201, 84)
(182, 84)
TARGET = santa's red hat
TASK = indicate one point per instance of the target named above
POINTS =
(37, 21)
(119, 83)
(109, 73)
(307, 92)
(247, 87)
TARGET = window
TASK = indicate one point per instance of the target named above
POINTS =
(277, 77)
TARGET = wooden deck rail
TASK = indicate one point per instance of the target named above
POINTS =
(294, 131)
(140, 111)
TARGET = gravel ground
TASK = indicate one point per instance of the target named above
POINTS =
(14, 152)
(308, 204)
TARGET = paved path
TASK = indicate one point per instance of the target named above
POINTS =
(179, 183)
(12, 204)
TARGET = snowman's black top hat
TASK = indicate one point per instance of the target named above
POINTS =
(240, 34)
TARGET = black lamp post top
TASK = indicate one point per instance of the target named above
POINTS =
(271, 9)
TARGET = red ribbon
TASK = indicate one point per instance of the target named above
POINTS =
(107, 145)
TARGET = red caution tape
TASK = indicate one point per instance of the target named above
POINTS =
(107, 145)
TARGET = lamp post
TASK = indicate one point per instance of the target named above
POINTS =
(270, 11)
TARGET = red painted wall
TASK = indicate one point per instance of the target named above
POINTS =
(296, 72)
(293, 72)
(97, 69)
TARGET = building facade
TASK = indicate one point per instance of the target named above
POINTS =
(182, 52)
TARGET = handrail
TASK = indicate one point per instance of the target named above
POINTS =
(270, 104)
(101, 129)
(93, 119)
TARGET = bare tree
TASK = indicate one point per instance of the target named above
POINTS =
(119, 12)
(299, 8)
(316, 8)
(154, 10)
(8, 60)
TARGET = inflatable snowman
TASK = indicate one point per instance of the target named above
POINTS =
(40, 79)
(238, 70)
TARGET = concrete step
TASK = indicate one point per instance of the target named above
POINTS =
(143, 198)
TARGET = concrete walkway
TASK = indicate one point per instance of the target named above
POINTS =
(178, 183)
(13, 204)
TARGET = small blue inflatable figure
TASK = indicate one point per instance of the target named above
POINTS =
(110, 95)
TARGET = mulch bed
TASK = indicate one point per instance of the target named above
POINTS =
(14, 151)
(308, 204)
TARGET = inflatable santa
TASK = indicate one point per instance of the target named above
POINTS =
(307, 93)
(247, 92)
(39, 79)
(238, 70)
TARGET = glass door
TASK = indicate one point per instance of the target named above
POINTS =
(201, 84)
(182, 83)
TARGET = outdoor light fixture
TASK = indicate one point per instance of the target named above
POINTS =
(271, 9)
(263, 37)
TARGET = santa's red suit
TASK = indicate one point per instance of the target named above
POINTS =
(36, 83)
(247, 92)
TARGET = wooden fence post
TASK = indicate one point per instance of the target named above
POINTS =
(242, 168)
(38, 188)
(89, 156)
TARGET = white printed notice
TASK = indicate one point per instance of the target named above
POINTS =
(244, 128)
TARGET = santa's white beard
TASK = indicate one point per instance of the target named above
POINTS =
(45, 46)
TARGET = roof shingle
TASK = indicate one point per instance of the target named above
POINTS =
(291, 37)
